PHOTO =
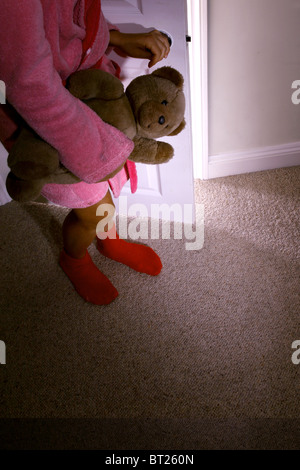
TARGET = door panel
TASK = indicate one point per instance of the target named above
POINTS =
(113, 9)
(172, 182)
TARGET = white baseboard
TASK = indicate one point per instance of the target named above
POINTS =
(258, 159)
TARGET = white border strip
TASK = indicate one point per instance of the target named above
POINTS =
(197, 26)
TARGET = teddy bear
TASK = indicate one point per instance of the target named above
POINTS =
(152, 106)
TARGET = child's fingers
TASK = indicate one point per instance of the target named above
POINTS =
(153, 46)
(158, 44)
(157, 54)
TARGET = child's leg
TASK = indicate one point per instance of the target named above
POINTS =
(79, 228)
(79, 231)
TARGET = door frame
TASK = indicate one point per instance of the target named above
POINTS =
(197, 15)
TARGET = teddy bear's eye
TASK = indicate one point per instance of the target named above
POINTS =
(164, 102)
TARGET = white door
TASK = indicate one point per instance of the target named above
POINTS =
(170, 183)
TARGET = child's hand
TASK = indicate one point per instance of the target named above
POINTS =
(154, 45)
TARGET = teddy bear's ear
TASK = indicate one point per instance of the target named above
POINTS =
(179, 128)
(170, 74)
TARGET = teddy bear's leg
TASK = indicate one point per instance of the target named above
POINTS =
(22, 190)
(151, 151)
(31, 158)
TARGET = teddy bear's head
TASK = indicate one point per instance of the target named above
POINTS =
(158, 103)
(152, 107)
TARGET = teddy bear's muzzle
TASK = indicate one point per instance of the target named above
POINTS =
(152, 120)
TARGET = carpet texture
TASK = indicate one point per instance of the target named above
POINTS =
(197, 358)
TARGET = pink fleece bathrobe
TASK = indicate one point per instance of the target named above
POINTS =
(41, 44)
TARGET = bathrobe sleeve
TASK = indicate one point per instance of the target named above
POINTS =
(88, 147)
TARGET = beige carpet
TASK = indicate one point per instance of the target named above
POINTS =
(197, 358)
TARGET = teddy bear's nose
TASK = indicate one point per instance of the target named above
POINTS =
(161, 120)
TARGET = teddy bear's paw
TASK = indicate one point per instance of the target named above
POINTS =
(150, 151)
(21, 190)
(164, 153)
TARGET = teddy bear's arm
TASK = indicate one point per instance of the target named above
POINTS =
(95, 84)
(150, 151)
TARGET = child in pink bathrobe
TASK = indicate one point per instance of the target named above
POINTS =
(42, 42)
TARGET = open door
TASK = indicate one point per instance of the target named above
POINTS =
(170, 183)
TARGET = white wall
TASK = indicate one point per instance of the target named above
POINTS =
(253, 59)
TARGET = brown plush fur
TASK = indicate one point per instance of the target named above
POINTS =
(152, 107)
